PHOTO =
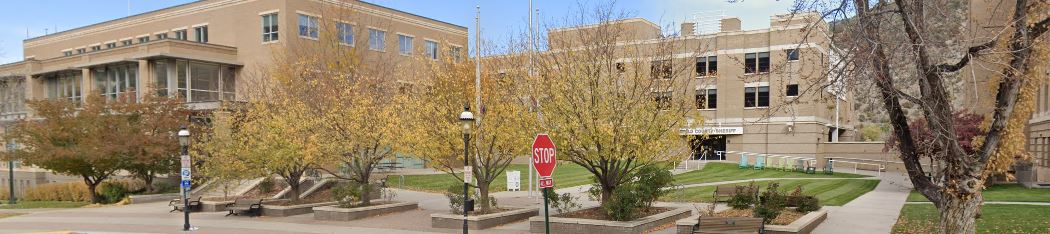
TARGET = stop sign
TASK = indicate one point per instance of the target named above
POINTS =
(543, 155)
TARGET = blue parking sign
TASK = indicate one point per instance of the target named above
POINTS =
(185, 184)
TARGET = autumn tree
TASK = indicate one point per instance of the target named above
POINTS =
(219, 152)
(612, 108)
(913, 54)
(146, 129)
(279, 138)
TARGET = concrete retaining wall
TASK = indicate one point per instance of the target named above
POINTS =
(442, 220)
(571, 225)
(333, 213)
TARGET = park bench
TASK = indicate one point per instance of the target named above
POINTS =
(241, 206)
(724, 191)
(728, 225)
(178, 205)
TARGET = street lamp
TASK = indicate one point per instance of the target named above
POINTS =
(184, 143)
(466, 119)
(11, 171)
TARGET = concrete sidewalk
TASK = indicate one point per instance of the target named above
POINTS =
(873, 212)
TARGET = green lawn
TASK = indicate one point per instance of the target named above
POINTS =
(1002, 192)
(830, 192)
(565, 175)
(42, 204)
(715, 172)
(922, 218)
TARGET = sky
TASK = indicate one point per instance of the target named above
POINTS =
(499, 18)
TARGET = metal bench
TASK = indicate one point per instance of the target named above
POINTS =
(724, 191)
(252, 207)
(178, 205)
(728, 225)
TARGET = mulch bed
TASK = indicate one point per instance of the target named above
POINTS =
(598, 213)
(786, 217)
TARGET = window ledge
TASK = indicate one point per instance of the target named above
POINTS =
(271, 42)
(701, 77)
(346, 44)
(754, 108)
(709, 109)
(377, 50)
(307, 37)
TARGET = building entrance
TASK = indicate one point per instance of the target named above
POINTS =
(712, 147)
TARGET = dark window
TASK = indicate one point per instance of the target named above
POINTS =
(750, 63)
(662, 100)
(201, 34)
(792, 54)
(96, 48)
(763, 62)
(661, 69)
(143, 39)
(749, 97)
(706, 98)
(125, 42)
(756, 62)
(181, 34)
(763, 96)
(620, 67)
(707, 66)
(269, 27)
(792, 90)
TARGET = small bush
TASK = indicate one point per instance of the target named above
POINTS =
(771, 203)
(266, 185)
(72, 191)
(805, 204)
(564, 203)
(112, 192)
(648, 186)
(745, 197)
(624, 203)
(454, 194)
(347, 194)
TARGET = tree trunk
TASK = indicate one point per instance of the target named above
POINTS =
(483, 188)
(607, 191)
(366, 189)
(147, 179)
(958, 215)
(93, 189)
(294, 184)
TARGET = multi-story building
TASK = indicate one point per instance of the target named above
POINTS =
(760, 91)
(202, 51)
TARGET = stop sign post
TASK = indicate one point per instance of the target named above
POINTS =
(544, 159)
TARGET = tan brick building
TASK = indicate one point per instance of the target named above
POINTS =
(203, 50)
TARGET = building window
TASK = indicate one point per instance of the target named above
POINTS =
(662, 100)
(67, 53)
(432, 49)
(756, 96)
(269, 27)
(376, 39)
(181, 35)
(144, 39)
(404, 44)
(346, 33)
(64, 85)
(81, 51)
(201, 34)
(12, 95)
(707, 99)
(707, 66)
(195, 81)
(756, 62)
(125, 42)
(660, 69)
(456, 53)
(117, 81)
(792, 90)
(621, 68)
(111, 45)
(96, 48)
(161, 36)
(792, 55)
(308, 26)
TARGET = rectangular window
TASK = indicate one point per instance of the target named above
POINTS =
(144, 39)
(756, 96)
(456, 53)
(111, 45)
(117, 81)
(707, 66)
(432, 49)
(660, 69)
(792, 90)
(181, 35)
(792, 55)
(756, 62)
(67, 53)
(404, 44)
(201, 34)
(162, 36)
(160, 77)
(198, 81)
(269, 27)
(125, 42)
(707, 99)
(308, 26)
(346, 33)
(376, 39)
(96, 48)
(64, 85)
(81, 51)
(662, 100)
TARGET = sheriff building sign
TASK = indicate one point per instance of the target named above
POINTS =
(712, 131)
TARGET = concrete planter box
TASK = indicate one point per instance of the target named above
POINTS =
(803, 225)
(284, 211)
(573, 225)
(214, 206)
(139, 199)
(442, 220)
(334, 213)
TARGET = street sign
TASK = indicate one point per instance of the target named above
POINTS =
(544, 157)
(513, 180)
(468, 174)
(546, 182)
(186, 173)
(185, 184)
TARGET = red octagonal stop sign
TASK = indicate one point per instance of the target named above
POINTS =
(544, 158)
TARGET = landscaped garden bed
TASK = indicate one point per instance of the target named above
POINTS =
(483, 221)
(717, 171)
(336, 213)
(595, 220)
(304, 205)
(789, 221)
(832, 192)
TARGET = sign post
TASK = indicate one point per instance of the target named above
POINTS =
(544, 160)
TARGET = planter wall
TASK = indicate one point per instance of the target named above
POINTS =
(139, 199)
(803, 225)
(573, 225)
(284, 211)
(333, 213)
(442, 220)
(214, 206)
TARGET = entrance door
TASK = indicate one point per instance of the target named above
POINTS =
(707, 148)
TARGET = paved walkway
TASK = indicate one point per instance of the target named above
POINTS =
(873, 212)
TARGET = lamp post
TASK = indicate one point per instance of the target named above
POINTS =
(466, 119)
(184, 143)
(11, 171)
